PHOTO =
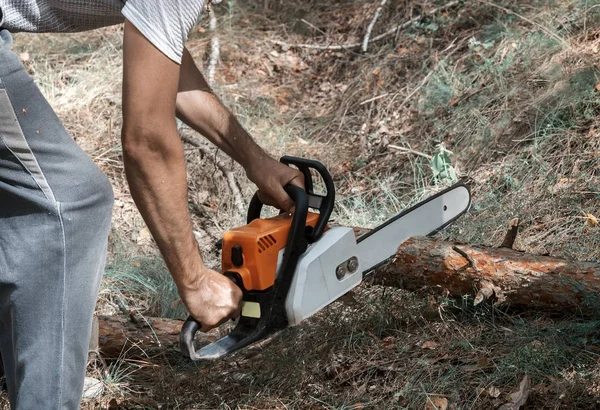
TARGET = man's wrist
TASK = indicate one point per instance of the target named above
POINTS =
(255, 165)
(252, 156)
(190, 275)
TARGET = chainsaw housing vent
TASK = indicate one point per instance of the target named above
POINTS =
(265, 242)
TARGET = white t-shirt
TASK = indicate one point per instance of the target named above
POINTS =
(165, 23)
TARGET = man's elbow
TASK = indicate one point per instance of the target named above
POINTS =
(150, 143)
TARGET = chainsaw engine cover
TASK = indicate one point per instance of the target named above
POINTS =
(252, 251)
(329, 269)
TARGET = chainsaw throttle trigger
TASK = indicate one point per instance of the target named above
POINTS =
(324, 203)
(263, 311)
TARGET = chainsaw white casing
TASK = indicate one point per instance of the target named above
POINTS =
(316, 283)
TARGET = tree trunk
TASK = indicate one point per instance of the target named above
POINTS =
(505, 275)
(123, 336)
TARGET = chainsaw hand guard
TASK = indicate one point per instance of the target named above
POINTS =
(271, 302)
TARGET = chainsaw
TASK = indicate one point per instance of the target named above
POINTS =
(293, 265)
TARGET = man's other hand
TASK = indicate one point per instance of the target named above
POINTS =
(270, 176)
(212, 299)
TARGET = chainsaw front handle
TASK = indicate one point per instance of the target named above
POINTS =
(324, 203)
(272, 303)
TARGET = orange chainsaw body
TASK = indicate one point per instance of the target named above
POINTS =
(252, 250)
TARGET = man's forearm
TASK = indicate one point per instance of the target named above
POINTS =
(198, 107)
(153, 154)
(157, 180)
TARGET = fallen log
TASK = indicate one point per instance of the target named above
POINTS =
(503, 275)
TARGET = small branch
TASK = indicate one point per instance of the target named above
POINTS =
(511, 234)
(227, 173)
(315, 46)
(215, 48)
(365, 43)
(409, 151)
(374, 98)
(308, 23)
(377, 38)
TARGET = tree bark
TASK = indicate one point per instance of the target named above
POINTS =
(504, 275)
(119, 336)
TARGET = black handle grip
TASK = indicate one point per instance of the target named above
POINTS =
(186, 337)
(323, 203)
(191, 326)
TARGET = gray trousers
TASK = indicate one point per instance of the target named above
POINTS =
(55, 211)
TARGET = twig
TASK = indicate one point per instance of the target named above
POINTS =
(308, 23)
(376, 38)
(227, 173)
(409, 151)
(365, 43)
(215, 48)
(374, 98)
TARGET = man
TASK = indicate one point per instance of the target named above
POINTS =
(55, 204)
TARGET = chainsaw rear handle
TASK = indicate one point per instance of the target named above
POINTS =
(274, 316)
(323, 203)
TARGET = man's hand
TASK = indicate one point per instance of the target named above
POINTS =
(212, 299)
(270, 176)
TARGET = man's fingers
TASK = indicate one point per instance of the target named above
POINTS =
(284, 202)
(266, 199)
(277, 198)
(298, 180)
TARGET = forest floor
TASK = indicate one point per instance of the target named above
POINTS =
(511, 88)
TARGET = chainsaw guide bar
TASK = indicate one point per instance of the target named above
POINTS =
(291, 266)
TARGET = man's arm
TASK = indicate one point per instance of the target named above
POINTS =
(199, 108)
(155, 169)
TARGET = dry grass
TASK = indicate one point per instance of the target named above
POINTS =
(511, 90)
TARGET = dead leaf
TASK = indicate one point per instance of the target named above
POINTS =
(598, 87)
(24, 56)
(562, 184)
(493, 391)
(429, 345)
(356, 406)
(436, 403)
(590, 219)
(389, 342)
(517, 399)
(325, 87)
